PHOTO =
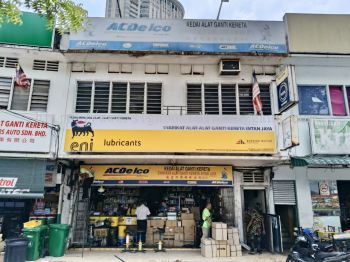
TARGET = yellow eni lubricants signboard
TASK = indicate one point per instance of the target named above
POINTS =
(161, 175)
(161, 133)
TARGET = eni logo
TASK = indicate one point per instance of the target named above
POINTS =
(82, 128)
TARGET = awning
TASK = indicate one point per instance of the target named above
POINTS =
(320, 161)
(22, 178)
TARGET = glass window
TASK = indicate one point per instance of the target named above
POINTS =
(337, 100)
(313, 100)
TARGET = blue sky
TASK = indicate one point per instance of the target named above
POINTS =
(244, 9)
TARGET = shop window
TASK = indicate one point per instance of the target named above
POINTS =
(84, 92)
(325, 205)
(194, 99)
(101, 98)
(211, 98)
(337, 100)
(246, 100)
(33, 98)
(106, 97)
(313, 100)
(137, 94)
(228, 93)
(119, 97)
(5, 90)
(154, 98)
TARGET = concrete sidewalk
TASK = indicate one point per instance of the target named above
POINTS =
(150, 256)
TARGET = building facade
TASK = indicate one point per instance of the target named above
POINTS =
(156, 9)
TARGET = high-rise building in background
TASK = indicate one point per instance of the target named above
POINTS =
(162, 9)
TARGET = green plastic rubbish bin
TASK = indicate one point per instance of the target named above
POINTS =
(58, 239)
(44, 241)
(34, 242)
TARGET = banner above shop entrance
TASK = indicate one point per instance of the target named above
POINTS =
(207, 36)
(330, 137)
(174, 175)
(160, 133)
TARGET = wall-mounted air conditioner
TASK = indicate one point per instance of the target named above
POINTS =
(230, 67)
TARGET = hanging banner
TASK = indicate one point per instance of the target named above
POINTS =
(21, 134)
(330, 136)
(160, 133)
(210, 36)
(161, 175)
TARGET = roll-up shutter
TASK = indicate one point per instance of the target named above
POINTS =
(22, 178)
(284, 192)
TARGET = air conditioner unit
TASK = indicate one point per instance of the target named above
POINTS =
(230, 67)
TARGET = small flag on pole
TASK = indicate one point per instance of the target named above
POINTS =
(256, 96)
(21, 77)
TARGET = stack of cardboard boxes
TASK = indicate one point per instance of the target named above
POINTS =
(225, 242)
(178, 233)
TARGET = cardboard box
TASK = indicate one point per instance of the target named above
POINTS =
(156, 238)
(157, 223)
(232, 230)
(189, 233)
(168, 242)
(238, 247)
(178, 243)
(188, 223)
(219, 225)
(208, 247)
(169, 235)
(185, 216)
(230, 242)
(179, 223)
(219, 233)
(171, 223)
(233, 248)
(179, 236)
(223, 250)
(169, 229)
(179, 229)
(239, 253)
(233, 253)
(149, 223)
(236, 240)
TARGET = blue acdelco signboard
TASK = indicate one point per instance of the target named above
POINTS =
(209, 36)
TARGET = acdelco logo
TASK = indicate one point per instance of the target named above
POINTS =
(137, 27)
(124, 170)
(8, 182)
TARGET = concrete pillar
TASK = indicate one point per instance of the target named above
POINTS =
(305, 213)
(237, 178)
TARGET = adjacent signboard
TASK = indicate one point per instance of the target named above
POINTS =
(285, 88)
(161, 175)
(21, 134)
(290, 132)
(330, 136)
(209, 36)
(24, 34)
(160, 133)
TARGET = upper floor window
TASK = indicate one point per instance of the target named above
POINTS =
(324, 100)
(225, 99)
(33, 98)
(118, 97)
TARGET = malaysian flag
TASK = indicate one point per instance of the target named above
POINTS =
(21, 78)
(256, 96)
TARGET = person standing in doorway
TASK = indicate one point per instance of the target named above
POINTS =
(142, 212)
(206, 217)
(255, 229)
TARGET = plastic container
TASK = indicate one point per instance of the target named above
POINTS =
(58, 239)
(44, 241)
(16, 250)
(34, 242)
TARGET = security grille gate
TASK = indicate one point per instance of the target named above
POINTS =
(284, 193)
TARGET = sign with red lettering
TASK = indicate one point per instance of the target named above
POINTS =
(8, 182)
(30, 133)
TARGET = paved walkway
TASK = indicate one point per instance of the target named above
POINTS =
(150, 256)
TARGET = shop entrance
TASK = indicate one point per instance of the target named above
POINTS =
(175, 209)
(254, 199)
(344, 201)
(287, 213)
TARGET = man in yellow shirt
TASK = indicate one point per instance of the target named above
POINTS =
(206, 217)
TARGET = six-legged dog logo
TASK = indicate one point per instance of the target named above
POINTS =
(81, 127)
